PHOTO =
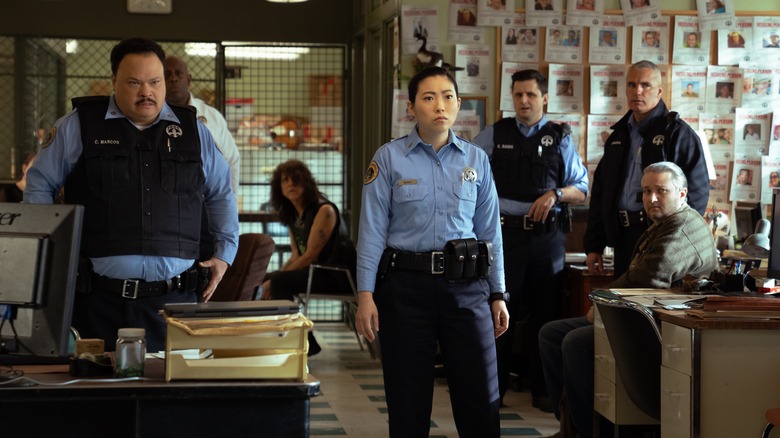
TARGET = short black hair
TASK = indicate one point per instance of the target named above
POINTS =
(426, 73)
(134, 45)
(530, 75)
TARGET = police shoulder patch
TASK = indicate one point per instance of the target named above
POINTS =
(371, 173)
(49, 138)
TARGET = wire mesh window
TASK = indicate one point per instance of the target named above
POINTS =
(280, 101)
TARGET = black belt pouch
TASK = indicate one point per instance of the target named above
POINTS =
(484, 259)
(455, 253)
(470, 264)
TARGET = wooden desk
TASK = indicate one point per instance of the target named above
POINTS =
(155, 408)
(718, 377)
(578, 284)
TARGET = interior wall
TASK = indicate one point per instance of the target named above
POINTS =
(320, 21)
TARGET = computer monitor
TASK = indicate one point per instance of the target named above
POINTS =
(773, 269)
(39, 254)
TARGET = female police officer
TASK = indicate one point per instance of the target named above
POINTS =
(429, 216)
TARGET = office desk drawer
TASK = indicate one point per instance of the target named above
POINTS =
(677, 348)
(604, 361)
(611, 401)
(675, 404)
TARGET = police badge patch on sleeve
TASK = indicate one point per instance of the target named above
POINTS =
(49, 139)
(371, 173)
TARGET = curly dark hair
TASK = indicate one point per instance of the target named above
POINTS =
(297, 171)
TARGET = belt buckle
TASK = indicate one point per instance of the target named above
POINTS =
(528, 223)
(437, 268)
(624, 218)
(133, 292)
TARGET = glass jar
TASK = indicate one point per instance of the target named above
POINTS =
(130, 352)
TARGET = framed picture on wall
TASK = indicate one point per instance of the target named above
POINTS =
(474, 105)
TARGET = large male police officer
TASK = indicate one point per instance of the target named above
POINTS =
(143, 170)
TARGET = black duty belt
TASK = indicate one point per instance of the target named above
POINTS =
(631, 218)
(130, 288)
(431, 262)
(526, 223)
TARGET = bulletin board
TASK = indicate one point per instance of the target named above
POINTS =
(730, 155)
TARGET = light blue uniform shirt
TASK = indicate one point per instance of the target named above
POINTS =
(575, 174)
(54, 163)
(420, 199)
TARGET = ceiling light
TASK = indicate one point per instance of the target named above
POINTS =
(246, 52)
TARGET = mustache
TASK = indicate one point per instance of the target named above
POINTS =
(145, 100)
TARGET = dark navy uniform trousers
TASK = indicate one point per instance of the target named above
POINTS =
(417, 310)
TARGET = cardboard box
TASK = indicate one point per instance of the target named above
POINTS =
(269, 347)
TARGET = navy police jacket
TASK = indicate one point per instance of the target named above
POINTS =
(665, 138)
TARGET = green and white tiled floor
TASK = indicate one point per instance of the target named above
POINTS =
(352, 401)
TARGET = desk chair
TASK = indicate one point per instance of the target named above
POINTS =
(636, 343)
(773, 419)
(243, 278)
(348, 300)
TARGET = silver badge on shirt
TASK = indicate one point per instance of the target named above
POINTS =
(469, 175)
(174, 131)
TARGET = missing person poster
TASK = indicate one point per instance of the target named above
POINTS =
(770, 177)
(419, 24)
(544, 12)
(599, 129)
(463, 22)
(651, 41)
(608, 42)
(584, 12)
(724, 89)
(736, 45)
(691, 46)
(746, 179)
(759, 85)
(495, 12)
(576, 125)
(752, 131)
(520, 43)
(565, 88)
(774, 141)
(475, 59)
(715, 14)
(640, 11)
(607, 89)
(564, 44)
(766, 39)
(689, 84)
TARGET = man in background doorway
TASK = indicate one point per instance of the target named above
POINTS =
(177, 83)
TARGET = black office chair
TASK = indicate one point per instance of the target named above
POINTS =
(636, 344)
